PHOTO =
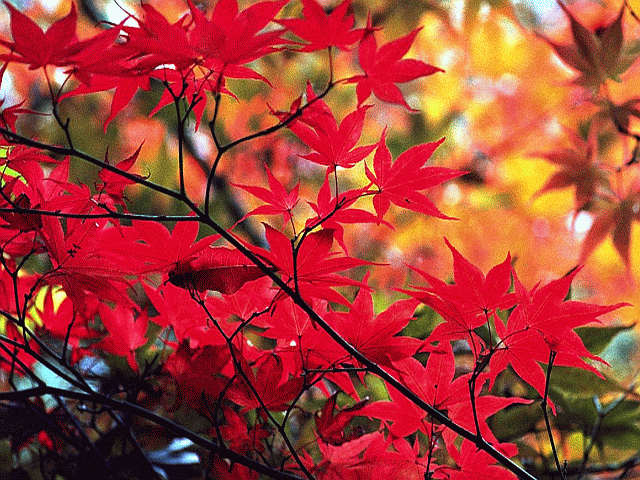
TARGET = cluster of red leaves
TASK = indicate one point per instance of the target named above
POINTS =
(600, 55)
(97, 261)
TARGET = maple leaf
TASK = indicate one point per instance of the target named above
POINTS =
(274, 391)
(87, 260)
(543, 322)
(302, 345)
(436, 383)
(156, 39)
(406, 417)
(36, 48)
(578, 168)
(332, 145)
(596, 55)
(248, 300)
(369, 456)
(384, 67)
(331, 424)
(469, 303)
(125, 87)
(375, 336)
(288, 322)
(279, 201)
(617, 220)
(126, 332)
(343, 462)
(364, 458)
(400, 182)
(471, 463)
(324, 30)
(176, 309)
(222, 470)
(457, 324)
(236, 38)
(162, 251)
(206, 370)
(309, 267)
(114, 184)
(472, 292)
(241, 438)
(60, 322)
(332, 211)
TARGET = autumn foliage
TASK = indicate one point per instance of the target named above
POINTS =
(199, 210)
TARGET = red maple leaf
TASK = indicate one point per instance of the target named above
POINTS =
(332, 145)
(309, 267)
(324, 30)
(472, 292)
(222, 470)
(274, 390)
(405, 416)
(36, 48)
(332, 211)
(176, 309)
(543, 322)
(469, 303)
(162, 251)
(436, 384)
(60, 322)
(331, 424)
(235, 38)
(401, 181)
(241, 438)
(471, 463)
(125, 332)
(114, 184)
(375, 336)
(245, 303)
(86, 260)
(225, 42)
(384, 67)
(278, 200)
(157, 39)
(369, 456)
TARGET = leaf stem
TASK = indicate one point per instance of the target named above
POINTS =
(552, 356)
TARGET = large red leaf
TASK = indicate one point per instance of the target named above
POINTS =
(384, 68)
(323, 30)
(36, 48)
(400, 182)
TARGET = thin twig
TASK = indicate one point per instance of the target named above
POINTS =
(552, 356)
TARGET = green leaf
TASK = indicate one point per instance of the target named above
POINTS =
(597, 338)
(580, 383)
(515, 421)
